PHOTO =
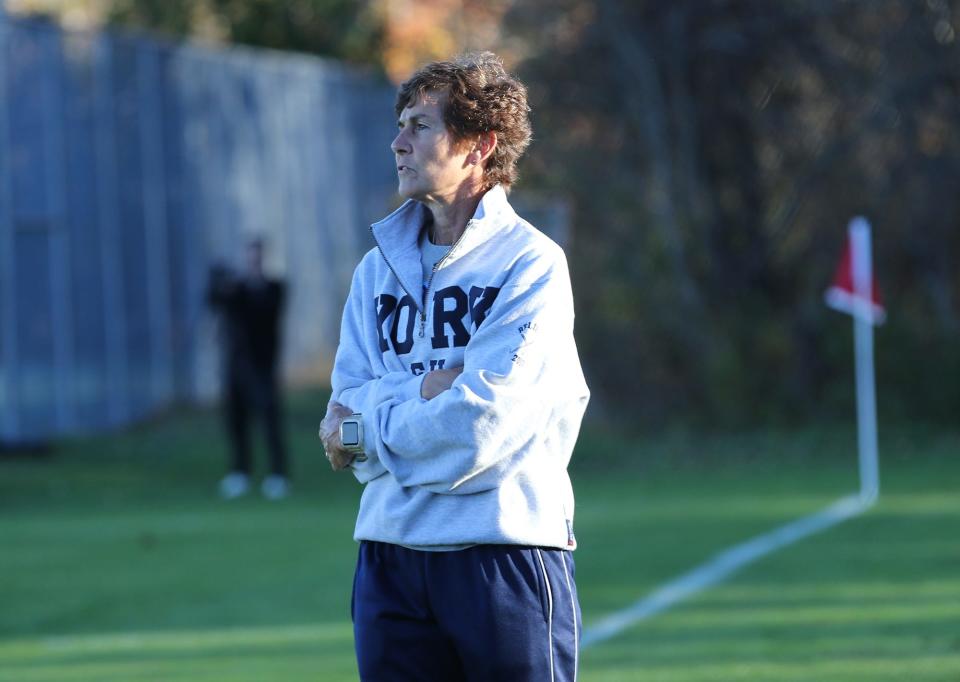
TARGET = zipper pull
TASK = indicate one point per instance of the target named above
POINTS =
(423, 323)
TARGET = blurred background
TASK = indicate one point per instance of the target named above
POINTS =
(699, 162)
(701, 159)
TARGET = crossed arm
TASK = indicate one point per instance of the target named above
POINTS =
(472, 424)
(434, 383)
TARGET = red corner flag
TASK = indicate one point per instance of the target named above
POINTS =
(842, 294)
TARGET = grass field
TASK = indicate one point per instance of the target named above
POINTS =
(118, 562)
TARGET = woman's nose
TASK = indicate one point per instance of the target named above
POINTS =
(398, 146)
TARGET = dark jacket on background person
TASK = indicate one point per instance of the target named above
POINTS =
(251, 316)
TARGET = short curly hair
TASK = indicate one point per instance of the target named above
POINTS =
(480, 97)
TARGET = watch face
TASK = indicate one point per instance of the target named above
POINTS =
(350, 433)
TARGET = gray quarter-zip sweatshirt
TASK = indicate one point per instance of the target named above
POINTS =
(485, 462)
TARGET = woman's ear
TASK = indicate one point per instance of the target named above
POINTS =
(485, 145)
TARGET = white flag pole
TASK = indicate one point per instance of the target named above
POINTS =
(859, 232)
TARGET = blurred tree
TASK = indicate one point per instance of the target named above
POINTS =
(348, 29)
(418, 31)
(714, 152)
(398, 35)
(81, 14)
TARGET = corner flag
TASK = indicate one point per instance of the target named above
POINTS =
(844, 293)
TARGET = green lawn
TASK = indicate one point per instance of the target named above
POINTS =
(118, 562)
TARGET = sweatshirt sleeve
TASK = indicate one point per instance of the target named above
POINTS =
(355, 383)
(520, 367)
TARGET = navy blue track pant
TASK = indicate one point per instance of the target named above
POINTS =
(497, 613)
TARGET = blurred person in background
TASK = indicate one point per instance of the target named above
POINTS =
(250, 306)
(457, 399)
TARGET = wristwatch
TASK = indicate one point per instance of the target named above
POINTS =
(351, 436)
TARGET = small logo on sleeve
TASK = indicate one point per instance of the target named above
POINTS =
(527, 333)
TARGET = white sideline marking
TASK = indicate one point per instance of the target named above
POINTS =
(722, 566)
